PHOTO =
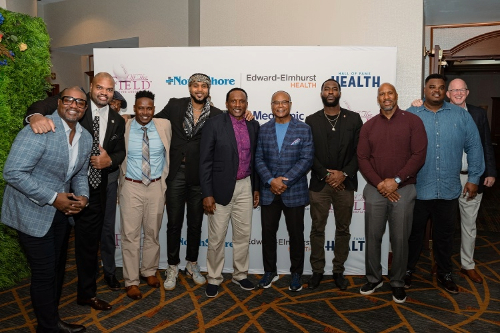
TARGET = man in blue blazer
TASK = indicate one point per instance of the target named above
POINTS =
(284, 155)
(40, 172)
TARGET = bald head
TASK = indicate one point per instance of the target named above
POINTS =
(102, 89)
(457, 92)
(387, 98)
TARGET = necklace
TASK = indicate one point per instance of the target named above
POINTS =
(334, 121)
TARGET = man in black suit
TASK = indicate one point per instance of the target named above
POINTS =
(108, 152)
(230, 187)
(469, 207)
(187, 117)
(334, 179)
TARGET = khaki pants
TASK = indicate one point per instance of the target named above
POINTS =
(141, 207)
(239, 210)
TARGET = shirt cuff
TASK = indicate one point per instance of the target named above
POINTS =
(51, 201)
(27, 119)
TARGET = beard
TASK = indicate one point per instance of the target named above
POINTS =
(203, 101)
(330, 104)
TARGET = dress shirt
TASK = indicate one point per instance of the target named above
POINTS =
(73, 151)
(243, 143)
(134, 152)
(392, 147)
(450, 131)
(103, 120)
(280, 136)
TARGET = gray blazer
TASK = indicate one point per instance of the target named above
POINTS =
(35, 170)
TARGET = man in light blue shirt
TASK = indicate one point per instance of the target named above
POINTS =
(450, 131)
(142, 193)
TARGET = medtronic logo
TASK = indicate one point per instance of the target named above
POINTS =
(180, 81)
(259, 115)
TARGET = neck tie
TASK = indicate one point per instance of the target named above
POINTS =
(146, 166)
(95, 174)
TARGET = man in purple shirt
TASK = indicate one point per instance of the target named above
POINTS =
(230, 187)
(392, 148)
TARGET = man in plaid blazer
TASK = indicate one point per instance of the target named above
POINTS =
(46, 179)
(284, 155)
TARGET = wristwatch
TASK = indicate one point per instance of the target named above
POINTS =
(397, 180)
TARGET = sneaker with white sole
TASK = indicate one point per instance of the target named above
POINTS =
(268, 279)
(193, 271)
(171, 277)
(368, 288)
(244, 284)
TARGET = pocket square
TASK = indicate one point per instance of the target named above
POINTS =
(296, 142)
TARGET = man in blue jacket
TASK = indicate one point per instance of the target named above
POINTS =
(284, 155)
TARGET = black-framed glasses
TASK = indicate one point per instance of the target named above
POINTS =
(68, 100)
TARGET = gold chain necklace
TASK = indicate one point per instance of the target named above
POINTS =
(330, 121)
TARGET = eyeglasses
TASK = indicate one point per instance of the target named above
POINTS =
(284, 103)
(68, 100)
(455, 91)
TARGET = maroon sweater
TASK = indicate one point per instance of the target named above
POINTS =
(392, 147)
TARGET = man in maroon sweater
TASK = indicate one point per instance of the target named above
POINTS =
(391, 149)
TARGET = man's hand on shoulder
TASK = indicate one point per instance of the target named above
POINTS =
(40, 124)
(417, 103)
(249, 115)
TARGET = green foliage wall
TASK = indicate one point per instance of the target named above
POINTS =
(22, 82)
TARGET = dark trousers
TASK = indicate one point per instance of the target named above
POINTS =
(443, 214)
(47, 259)
(294, 219)
(343, 202)
(88, 228)
(179, 193)
(108, 240)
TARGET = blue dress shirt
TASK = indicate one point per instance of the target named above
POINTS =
(134, 151)
(450, 132)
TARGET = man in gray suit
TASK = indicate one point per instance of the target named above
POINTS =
(40, 172)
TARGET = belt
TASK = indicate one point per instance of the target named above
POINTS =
(140, 181)
(464, 172)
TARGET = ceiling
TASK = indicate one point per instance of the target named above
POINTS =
(436, 12)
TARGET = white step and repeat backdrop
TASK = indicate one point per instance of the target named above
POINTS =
(261, 71)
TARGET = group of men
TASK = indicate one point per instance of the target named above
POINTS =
(224, 164)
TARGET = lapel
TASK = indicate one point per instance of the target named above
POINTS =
(60, 136)
(228, 128)
(86, 120)
(342, 127)
(110, 129)
(161, 131)
(251, 134)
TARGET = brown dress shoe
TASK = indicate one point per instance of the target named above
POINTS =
(152, 281)
(95, 303)
(134, 292)
(472, 274)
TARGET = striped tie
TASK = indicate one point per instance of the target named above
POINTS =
(146, 166)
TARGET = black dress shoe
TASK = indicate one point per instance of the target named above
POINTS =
(448, 283)
(70, 328)
(315, 280)
(340, 281)
(95, 303)
(112, 282)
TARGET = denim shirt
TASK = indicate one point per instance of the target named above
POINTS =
(450, 132)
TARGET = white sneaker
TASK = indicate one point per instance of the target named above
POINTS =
(193, 271)
(171, 277)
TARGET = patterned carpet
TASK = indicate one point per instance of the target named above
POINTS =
(186, 309)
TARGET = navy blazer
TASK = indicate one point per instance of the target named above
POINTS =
(219, 159)
(480, 118)
(35, 170)
(293, 161)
